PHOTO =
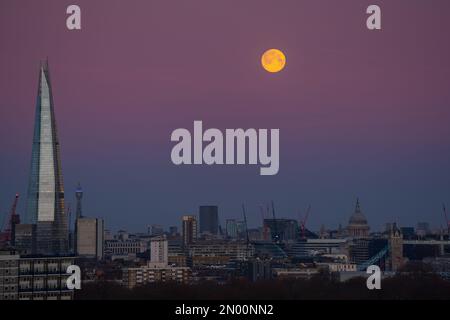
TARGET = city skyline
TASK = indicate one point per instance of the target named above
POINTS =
(228, 157)
(360, 115)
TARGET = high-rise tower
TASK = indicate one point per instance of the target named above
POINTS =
(189, 229)
(209, 219)
(45, 206)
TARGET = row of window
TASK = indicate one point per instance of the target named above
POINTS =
(45, 296)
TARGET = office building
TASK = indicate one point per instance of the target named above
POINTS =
(258, 270)
(362, 249)
(159, 251)
(218, 252)
(337, 267)
(269, 250)
(90, 240)
(209, 219)
(176, 254)
(34, 277)
(45, 205)
(139, 276)
(25, 238)
(189, 229)
(294, 273)
(312, 247)
(231, 228)
(9, 273)
(124, 249)
(241, 228)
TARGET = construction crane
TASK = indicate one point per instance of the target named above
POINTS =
(245, 222)
(265, 228)
(69, 215)
(246, 229)
(261, 208)
(7, 232)
(275, 229)
(303, 222)
(446, 218)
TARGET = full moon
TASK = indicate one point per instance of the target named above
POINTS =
(273, 60)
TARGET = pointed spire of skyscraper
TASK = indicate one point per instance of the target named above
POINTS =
(45, 206)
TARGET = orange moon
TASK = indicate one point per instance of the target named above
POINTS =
(273, 60)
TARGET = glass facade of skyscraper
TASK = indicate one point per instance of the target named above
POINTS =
(45, 206)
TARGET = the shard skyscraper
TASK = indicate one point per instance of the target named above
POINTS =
(45, 207)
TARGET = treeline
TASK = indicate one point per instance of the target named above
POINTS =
(406, 286)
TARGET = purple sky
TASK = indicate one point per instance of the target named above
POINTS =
(361, 113)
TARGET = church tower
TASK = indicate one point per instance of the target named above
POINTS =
(396, 248)
(357, 224)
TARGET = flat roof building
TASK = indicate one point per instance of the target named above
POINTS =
(90, 237)
(34, 277)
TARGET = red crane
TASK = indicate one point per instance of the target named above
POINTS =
(303, 222)
(7, 233)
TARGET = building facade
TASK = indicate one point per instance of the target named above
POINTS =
(159, 251)
(125, 247)
(9, 276)
(90, 240)
(309, 247)
(189, 229)
(219, 252)
(45, 205)
(209, 219)
(231, 229)
(258, 270)
(139, 276)
(34, 277)
(25, 238)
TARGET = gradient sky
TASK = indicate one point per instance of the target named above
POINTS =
(361, 113)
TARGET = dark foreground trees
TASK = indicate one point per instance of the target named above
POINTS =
(414, 285)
